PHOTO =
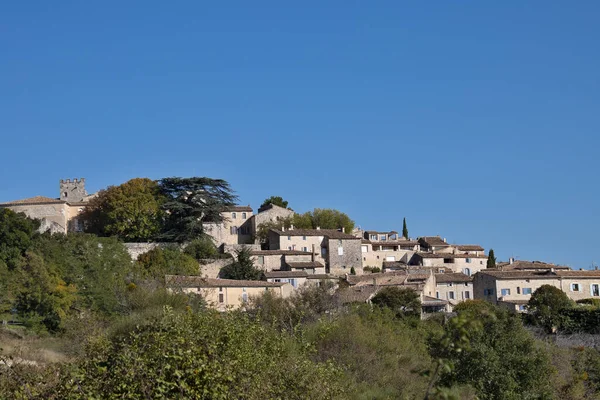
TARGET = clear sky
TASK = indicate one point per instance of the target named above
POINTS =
(476, 120)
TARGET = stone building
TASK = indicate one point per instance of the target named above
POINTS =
(236, 227)
(57, 215)
(380, 247)
(337, 251)
(454, 288)
(467, 264)
(225, 294)
(513, 289)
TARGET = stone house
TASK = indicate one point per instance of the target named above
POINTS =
(225, 294)
(454, 288)
(269, 260)
(294, 278)
(434, 244)
(375, 253)
(235, 229)
(467, 264)
(57, 215)
(522, 265)
(513, 289)
(337, 251)
(270, 213)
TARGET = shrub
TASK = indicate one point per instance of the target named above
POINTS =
(403, 301)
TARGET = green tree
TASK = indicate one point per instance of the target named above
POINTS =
(262, 230)
(404, 229)
(546, 306)
(192, 202)
(131, 211)
(241, 269)
(158, 262)
(491, 261)
(324, 218)
(275, 200)
(16, 234)
(201, 249)
(403, 301)
(501, 360)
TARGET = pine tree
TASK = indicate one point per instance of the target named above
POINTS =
(491, 262)
(404, 229)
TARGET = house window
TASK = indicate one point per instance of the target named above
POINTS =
(518, 290)
(289, 238)
(323, 251)
(293, 282)
(522, 307)
(450, 283)
(261, 260)
(340, 251)
(442, 270)
(467, 271)
(233, 215)
(488, 292)
(575, 287)
(468, 260)
(243, 215)
(303, 237)
(437, 295)
(467, 294)
(245, 297)
(451, 295)
(448, 261)
(234, 230)
(221, 298)
(505, 292)
(527, 290)
(382, 238)
(595, 290)
(305, 249)
(364, 248)
(277, 280)
(373, 237)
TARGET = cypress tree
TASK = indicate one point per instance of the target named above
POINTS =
(404, 229)
(491, 262)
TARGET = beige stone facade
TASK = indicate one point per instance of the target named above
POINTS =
(225, 294)
(236, 228)
(337, 251)
(513, 289)
(57, 215)
(468, 264)
(269, 260)
(454, 288)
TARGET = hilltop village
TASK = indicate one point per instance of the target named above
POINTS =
(357, 264)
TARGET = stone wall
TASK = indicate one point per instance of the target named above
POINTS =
(340, 264)
(136, 249)
(211, 268)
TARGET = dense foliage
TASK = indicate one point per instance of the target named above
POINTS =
(275, 200)
(242, 268)
(325, 218)
(404, 229)
(192, 202)
(131, 211)
(402, 301)
(546, 306)
(491, 260)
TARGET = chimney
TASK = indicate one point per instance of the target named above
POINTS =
(292, 227)
(511, 260)
(318, 228)
(343, 230)
(445, 240)
(552, 270)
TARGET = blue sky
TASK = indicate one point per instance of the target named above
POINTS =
(477, 121)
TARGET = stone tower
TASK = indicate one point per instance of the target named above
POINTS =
(72, 191)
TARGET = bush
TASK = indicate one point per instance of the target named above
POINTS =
(201, 249)
(403, 301)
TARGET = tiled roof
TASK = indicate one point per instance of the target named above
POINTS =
(286, 274)
(360, 294)
(238, 208)
(200, 282)
(33, 200)
(329, 233)
(529, 265)
(448, 255)
(432, 301)
(396, 243)
(280, 252)
(469, 247)
(557, 274)
(307, 264)
(432, 241)
(382, 233)
(452, 277)
(379, 278)
(321, 276)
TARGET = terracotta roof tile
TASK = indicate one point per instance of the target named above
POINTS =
(307, 264)
(200, 282)
(329, 233)
(452, 277)
(34, 200)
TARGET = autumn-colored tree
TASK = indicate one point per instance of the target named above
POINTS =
(131, 211)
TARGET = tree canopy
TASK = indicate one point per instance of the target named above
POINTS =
(403, 301)
(324, 218)
(275, 200)
(190, 202)
(16, 234)
(547, 304)
(491, 261)
(132, 211)
(158, 262)
(242, 268)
